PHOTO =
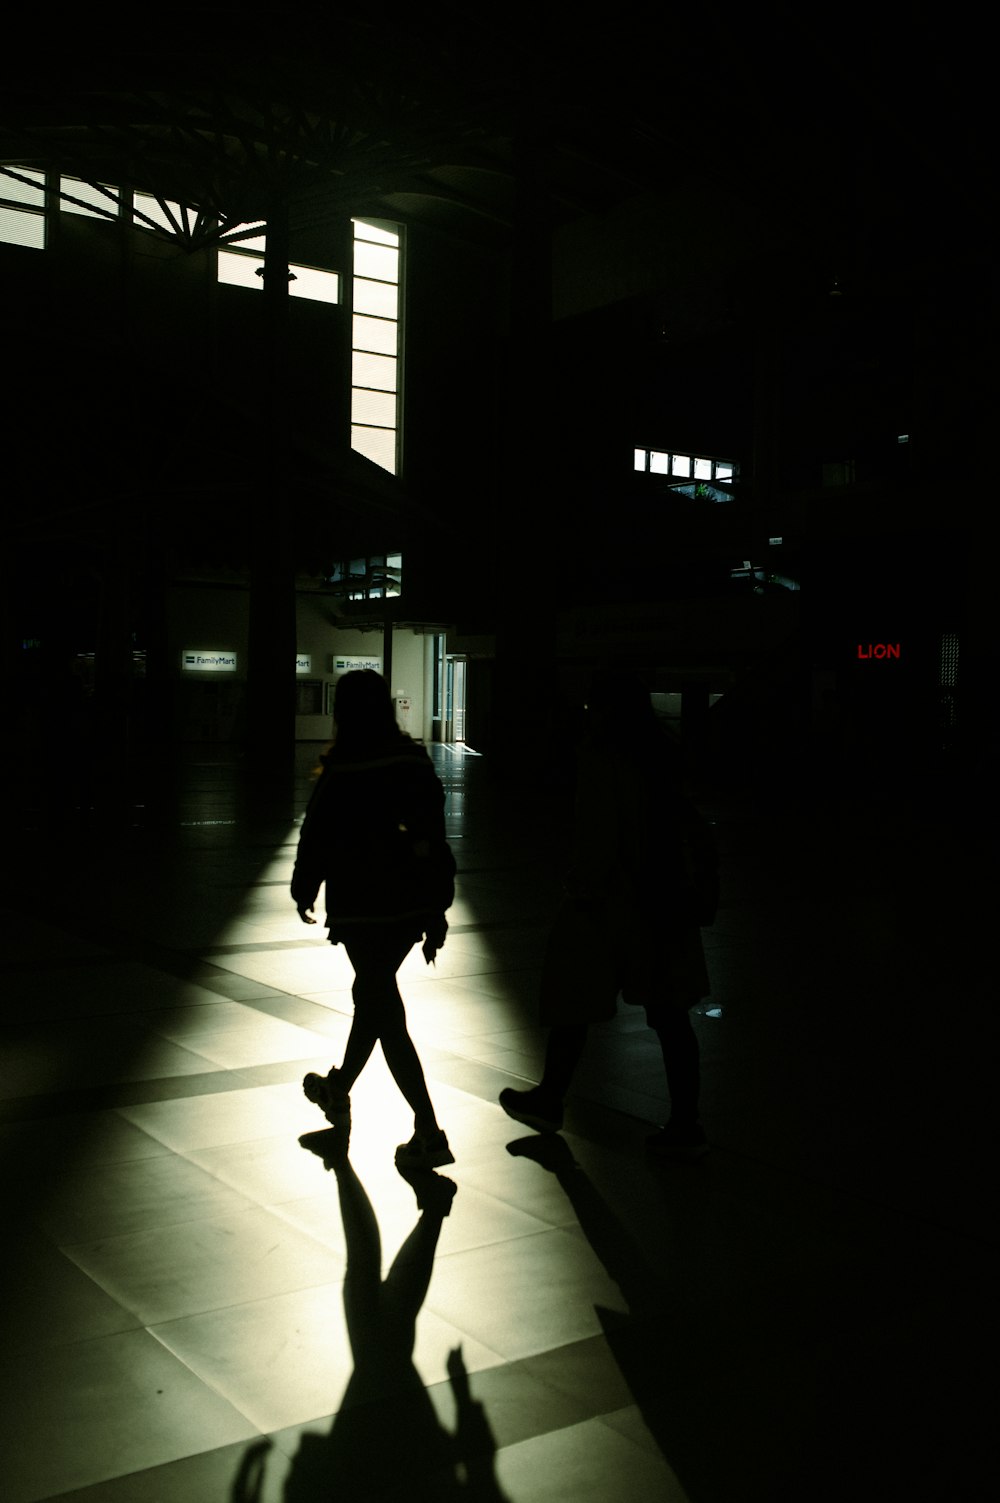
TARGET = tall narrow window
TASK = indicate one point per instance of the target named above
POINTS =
(375, 344)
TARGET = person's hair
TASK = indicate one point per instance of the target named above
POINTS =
(363, 713)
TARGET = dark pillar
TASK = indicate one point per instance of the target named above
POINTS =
(526, 524)
(270, 716)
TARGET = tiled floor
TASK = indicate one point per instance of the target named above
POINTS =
(806, 1315)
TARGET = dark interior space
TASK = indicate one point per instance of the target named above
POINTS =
(496, 350)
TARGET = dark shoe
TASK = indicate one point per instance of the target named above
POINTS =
(424, 1151)
(334, 1103)
(535, 1108)
(677, 1142)
(550, 1151)
(434, 1192)
(330, 1144)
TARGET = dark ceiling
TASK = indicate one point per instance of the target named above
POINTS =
(858, 127)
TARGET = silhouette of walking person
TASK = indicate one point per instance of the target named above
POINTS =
(641, 882)
(374, 833)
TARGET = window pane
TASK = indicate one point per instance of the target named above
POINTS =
(376, 334)
(318, 286)
(157, 212)
(376, 444)
(24, 193)
(723, 471)
(378, 371)
(682, 464)
(365, 231)
(20, 228)
(639, 459)
(659, 464)
(703, 469)
(377, 261)
(240, 271)
(375, 297)
(373, 407)
(90, 194)
(249, 242)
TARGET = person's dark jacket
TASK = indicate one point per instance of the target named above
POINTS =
(374, 833)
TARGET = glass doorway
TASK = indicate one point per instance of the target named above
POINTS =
(450, 683)
(455, 699)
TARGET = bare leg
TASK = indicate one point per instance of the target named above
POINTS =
(379, 1015)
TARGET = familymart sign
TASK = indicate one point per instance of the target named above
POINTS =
(196, 660)
(204, 660)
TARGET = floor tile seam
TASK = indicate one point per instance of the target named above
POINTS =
(441, 1259)
(205, 1381)
(515, 1368)
(66, 1247)
(155, 1222)
(336, 1286)
(117, 1095)
(598, 1416)
(150, 1326)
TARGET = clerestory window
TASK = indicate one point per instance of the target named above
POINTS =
(379, 576)
(376, 280)
(22, 207)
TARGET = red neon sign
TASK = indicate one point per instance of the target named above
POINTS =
(878, 650)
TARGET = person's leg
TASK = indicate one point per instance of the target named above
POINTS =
(541, 1107)
(361, 1040)
(379, 1016)
(682, 1062)
(563, 1051)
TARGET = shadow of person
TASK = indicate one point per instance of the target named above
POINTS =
(659, 1345)
(387, 1442)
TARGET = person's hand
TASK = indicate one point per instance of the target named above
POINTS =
(435, 929)
(305, 914)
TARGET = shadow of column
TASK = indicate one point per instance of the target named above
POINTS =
(666, 1348)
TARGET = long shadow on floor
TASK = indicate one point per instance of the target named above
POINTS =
(386, 1441)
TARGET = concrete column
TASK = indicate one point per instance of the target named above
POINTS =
(271, 641)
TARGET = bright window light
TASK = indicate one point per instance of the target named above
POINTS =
(379, 262)
(315, 285)
(659, 464)
(376, 298)
(703, 469)
(373, 371)
(241, 238)
(93, 200)
(378, 234)
(378, 335)
(374, 408)
(18, 227)
(160, 213)
(18, 192)
(639, 459)
(240, 271)
(375, 343)
(682, 464)
(376, 444)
